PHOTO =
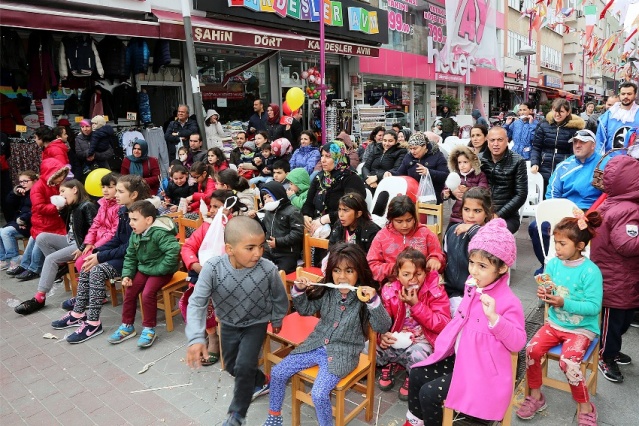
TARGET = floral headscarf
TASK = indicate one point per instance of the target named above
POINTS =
(337, 149)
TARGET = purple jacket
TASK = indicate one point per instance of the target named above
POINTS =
(482, 366)
(305, 157)
(470, 180)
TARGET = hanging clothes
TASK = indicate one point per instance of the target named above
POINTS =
(98, 94)
(161, 55)
(13, 66)
(79, 57)
(113, 54)
(137, 57)
(42, 76)
(154, 138)
(128, 139)
(25, 155)
(144, 107)
(124, 100)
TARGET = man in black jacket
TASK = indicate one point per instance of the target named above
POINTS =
(507, 177)
(180, 130)
(257, 122)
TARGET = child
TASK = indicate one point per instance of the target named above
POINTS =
(217, 160)
(284, 227)
(477, 210)
(204, 186)
(343, 318)
(465, 163)
(574, 293)
(230, 179)
(104, 262)
(52, 147)
(417, 305)
(298, 183)
(615, 250)
(264, 163)
(78, 212)
(354, 225)
(184, 158)
(247, 169)
(178, 187)
(149, 264)
(281, 169)
(403, 230)
(247, 294)
(489, 325)
(20, 202)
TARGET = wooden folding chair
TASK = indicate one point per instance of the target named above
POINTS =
(309, 242)
(71, 284)
(436, 211)
(184, 223)
(295, 329)
(168, 298)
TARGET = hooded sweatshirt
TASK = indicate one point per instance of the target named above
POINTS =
(58, 150)
(44, 215)
(285, 223)
(301, 179)
(155, 252)
(473, 178)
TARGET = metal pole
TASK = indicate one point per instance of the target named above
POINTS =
(527, 91)
(322, 86)
(583, 77)
(190, 53)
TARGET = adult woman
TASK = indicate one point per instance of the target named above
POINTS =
(424, 157)
(386, 157)
(139, 163)
(403, 136)
(335, 180)
(551, 144)
(274, 129)
(307, 155)
(478, 141)
(213, 129)
(374, 138)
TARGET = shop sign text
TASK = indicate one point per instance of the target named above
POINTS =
(237, 38)
(435, 18)
(551, 81)
(455, 68)
(342, 48)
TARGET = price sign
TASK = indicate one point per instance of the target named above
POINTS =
(131, 116)
(20, 128)
(78, 119)
(106, 118)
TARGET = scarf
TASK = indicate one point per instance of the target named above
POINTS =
(337, 149)
(136, 167)
(276, 114)
(623, 115)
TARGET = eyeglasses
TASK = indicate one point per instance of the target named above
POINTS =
(25, 181)
(196, 177)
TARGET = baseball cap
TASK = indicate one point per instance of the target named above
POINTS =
(584, 136)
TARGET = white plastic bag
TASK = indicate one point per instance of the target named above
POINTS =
(213, 243)
(426, 192)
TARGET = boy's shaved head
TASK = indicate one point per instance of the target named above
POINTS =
(241, 227)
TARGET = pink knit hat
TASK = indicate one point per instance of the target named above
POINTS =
(496, 239)
(85, 122)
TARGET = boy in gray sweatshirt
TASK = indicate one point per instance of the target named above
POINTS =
(247, 294)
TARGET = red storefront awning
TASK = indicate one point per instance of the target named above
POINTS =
(41, 18)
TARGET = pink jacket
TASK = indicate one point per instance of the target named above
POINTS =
(432, 311)
(389, 243)
(105, 223)
(482, 382)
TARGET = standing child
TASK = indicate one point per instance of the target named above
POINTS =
(403, 230)
(354, 225)
(298, 183)
(178, 187)
(574, 294)
(343, 318)
(465, 163)
(151, 260)
(247, 294)
(20, 202)
(417, 305)
(489, 325)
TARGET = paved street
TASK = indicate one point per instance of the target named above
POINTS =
(49, 382)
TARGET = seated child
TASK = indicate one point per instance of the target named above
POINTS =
(247, 169)
(574, 290)
(247, 294)
(354, 225)
(281, 168)
(151, 260)
(178, 187)
(217, 160)
(299, 181)
(203, 188)
(231, 180)
(184, 158)
(489, 325)
(284, 227)
(165, 180)
(465, 163)
(417, 305)
(20, 202)
(403, 230)
(264, 163)
(343, 318)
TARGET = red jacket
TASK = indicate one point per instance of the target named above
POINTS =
(615, 248)
(203, 194)
(192, 245)
(44, 215)
(432, 311)
(223, 166)
(104, 224)
(150, 172)
(389, 243)
(58, 150)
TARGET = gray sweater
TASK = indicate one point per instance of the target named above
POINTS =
(339, 329)
(241, 297)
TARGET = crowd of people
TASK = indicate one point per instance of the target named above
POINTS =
(450, 301)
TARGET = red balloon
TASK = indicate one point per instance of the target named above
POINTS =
(286, 109)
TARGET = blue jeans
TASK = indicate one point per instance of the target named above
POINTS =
(9, 243)
(32, 258)
(534, 237)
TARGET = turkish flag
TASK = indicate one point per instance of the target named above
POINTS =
(572, 67)
(286, 120)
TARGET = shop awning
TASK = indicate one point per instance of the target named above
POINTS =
(44, 18)
(208, 30)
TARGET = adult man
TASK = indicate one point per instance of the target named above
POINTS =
(572, 179)
(507, 177)
(180, 130)
(478, 119)
(612, 99)
(522, 130)
(195, 145)
(257, 122)
(590, 109)
(622, 116)
(240, 138)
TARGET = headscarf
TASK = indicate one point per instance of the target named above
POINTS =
(276, 114)
(417, 139)
(136, 163)
(337, 149)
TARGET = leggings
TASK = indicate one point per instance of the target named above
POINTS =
(325, 382)
(92, 291)
(427, 389)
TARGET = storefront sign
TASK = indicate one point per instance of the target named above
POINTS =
(341, 48)
(455, 68)
(237, 38)
(435, 18)
(550, 81)
(208, 95)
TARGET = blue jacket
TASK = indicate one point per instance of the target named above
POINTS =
(305, 157)
(113, 251)
(101, 140)
(607, 128)
(572, 179)
(522, 134)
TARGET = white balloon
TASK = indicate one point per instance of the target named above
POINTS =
(453, 181)
(304, 75)
(311, 78)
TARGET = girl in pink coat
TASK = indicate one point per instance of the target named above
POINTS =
(472, 353)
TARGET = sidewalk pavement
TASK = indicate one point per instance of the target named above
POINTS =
(50, 382)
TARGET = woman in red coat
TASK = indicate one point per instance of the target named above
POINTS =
(142, 165)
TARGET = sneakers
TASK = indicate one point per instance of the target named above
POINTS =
(259, 391)
(403, 391)
(4, 265)
(530, 407)
(234, 419)
(588, 419)
(147, 337)
(84, 333)
(387, 380)
(123, 333)
(68, 304)
(623, 359)
(15, 263)
(29, 306)
(272, 420)
(27, 275)
(15, 271)
(610, 370)
(68, 321)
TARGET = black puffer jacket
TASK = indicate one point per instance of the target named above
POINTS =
(508, 182)
(113, 55)
(380, 162)
(285, 224)
(102, 143)
(363, 234)
(550, 145)
(345, 182)
(83, 216)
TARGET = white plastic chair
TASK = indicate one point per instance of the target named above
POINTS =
(552, 211)
(369, 199)
(394, 186)
(232, 166)
(359, 168)
(535, 195)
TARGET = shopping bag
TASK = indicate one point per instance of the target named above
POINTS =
(213, 243)
(426, 191)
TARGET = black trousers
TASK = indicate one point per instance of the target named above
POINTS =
(427, 389)
(614, 324)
